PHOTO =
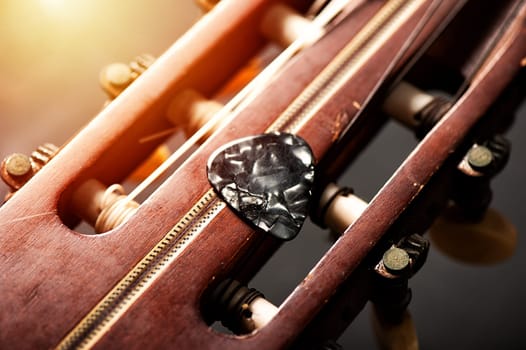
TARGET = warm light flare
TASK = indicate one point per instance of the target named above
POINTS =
(68, 10)
(53, 4)
(52, 54)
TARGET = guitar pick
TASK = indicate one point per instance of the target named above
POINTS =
(266, 179)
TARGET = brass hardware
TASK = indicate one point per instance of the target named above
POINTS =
(18, 164)
(116, 77)
(479, 157)
(395, 260)
(16, 169)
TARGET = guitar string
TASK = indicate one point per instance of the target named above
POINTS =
(126, 207)
(338, 72)
(251, 90)
(247, 94)
(106, 313)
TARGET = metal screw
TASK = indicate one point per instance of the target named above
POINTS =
(396, 260)
(479, 157)
(18, 164)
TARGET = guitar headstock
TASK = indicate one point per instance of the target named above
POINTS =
(62, 110)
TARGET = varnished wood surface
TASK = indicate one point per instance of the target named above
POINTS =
(119, 248)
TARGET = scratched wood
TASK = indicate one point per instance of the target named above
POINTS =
(48, 269)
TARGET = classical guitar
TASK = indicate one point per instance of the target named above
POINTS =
(146, 229)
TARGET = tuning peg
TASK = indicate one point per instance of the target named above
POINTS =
(190, 110)
(114, 79)
(283, 25)
(239, 308)
(467, 230)
(102, 207)
(392, 322)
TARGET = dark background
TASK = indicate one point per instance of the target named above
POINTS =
(52, 52)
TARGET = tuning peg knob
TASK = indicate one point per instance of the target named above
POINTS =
(490, 240)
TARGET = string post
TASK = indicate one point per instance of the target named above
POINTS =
(190, 110)
(239, 308)
(102, 207)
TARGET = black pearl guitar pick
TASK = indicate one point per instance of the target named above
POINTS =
(267, 180)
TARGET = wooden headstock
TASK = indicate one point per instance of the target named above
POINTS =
(155, 271)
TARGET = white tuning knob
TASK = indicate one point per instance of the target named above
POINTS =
(406, 101)
(342, 208)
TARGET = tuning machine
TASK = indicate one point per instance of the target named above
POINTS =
(392, 322)
(469, 230)
(16, 169)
